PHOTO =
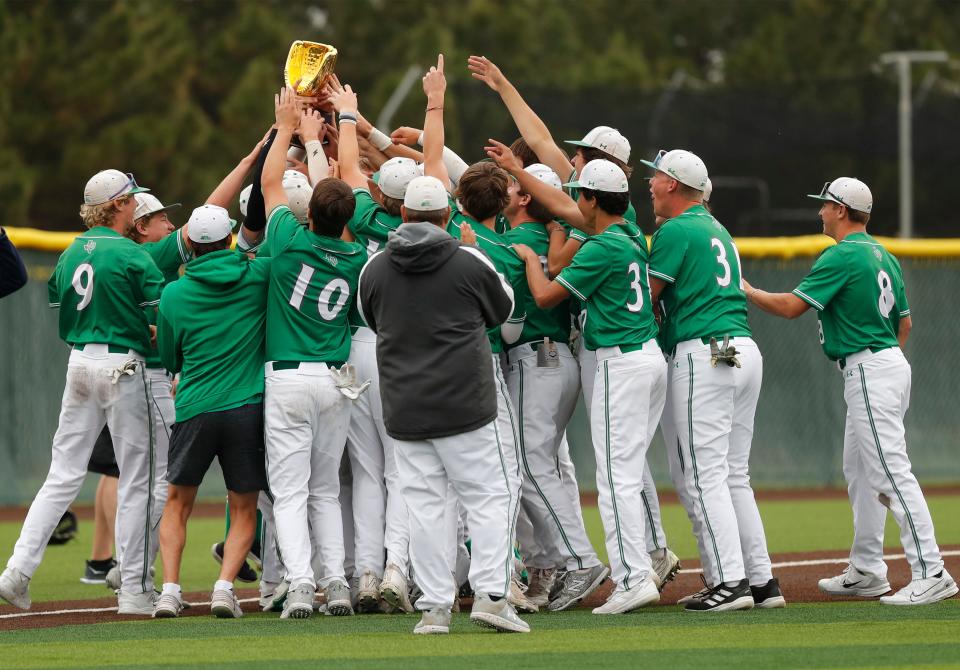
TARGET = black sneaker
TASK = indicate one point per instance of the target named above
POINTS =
(96, 571)
(724, 597)
(768, 596)
(246, 573)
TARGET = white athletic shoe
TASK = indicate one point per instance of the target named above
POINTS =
(15, 588)
(394, 590)
(665, 566)
(113, 579)
(338, 599)
(854, 582)
(924, 591)
(541, 581)
(224, 605)
(518, 598)
(577, 585)
(498, 615)
(433, 622)
(368, 593)
(273, 595)
(299, 602)
(628, 600)
(142, 604)
(168, 606)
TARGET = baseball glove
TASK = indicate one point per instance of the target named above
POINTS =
(310, 63)
(66, 530)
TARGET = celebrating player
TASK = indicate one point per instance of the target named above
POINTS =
(102, 284)
(858, 291)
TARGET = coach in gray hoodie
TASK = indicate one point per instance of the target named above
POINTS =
(431, 300)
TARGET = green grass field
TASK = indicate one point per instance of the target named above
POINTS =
(815, 635)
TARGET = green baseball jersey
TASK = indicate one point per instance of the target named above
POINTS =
(313, 289)
(540, 323)
(704, 297)
(102, 284)
(507, 263)
(211, 330)
(169, 254)
(370, 224)
(609, 274)
(630, 216)
(858, 292)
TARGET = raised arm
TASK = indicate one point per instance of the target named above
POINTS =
(434, 86)
(531, 127)
(405, 136)
(288, 119)
(345, 102)
(226, 191)
(555, 200)
(312, 131)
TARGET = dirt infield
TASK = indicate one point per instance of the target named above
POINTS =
(798, 582)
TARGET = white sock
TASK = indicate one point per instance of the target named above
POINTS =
(173, 589)
(223, 585)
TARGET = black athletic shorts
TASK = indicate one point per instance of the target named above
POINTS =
(234, 436)
(103, 461)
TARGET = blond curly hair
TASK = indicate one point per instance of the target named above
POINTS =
(102, 214)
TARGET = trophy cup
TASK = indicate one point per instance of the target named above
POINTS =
(310, 63)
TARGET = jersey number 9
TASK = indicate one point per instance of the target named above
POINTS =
(83, 284)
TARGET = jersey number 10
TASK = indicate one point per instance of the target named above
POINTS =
(327, 306)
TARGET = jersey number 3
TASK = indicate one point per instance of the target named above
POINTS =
(637, 304)
(328, 307)
(724, 278)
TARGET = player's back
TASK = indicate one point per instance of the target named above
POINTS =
(102, 283)
(698, 259)
(313, 287)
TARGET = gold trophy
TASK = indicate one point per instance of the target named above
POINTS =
(310, 63)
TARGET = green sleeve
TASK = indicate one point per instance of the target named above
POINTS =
(361, 222)
(281, 228)
(148, 281)
(900, 291)
(669, 247)
(587, 272)
(53, 286)
(169, 253)
(825, 279)
(166, 340)
(574, 233)
(517, 276)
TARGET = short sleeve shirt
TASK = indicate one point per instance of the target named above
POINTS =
(102, 284)
(540, 323)
(699, 261)
(370, 222)
(858, 291)
(609, 274)
(169, 254)
(313, 288)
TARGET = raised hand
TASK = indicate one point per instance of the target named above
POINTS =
(467, 234)
(312, 126)
(502, 155)
(345, 100)
(434, 82)
(483, 69)
(405, 135)
(287, 109)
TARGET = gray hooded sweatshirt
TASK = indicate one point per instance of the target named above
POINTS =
(430, 301)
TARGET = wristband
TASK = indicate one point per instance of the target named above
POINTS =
(349, 117)
(420, 139)
(380, 140)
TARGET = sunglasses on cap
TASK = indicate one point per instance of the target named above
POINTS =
(825, 194)
(130, 185)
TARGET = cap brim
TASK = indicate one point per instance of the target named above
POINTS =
(577, 143)
(823, 198)
(649, 164)
(571, 184)
(375, 177)
(137, 189)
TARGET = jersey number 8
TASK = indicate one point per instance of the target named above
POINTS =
(887, 300)
(327, 307)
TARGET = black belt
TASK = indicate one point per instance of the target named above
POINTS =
(293, 365)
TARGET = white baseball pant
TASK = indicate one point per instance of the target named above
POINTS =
(713, 411)
(655, 537)
(544, 399)
(95, 393)
(273, 570)
(305, 430)
(473, 465)
(628, 398)
(876, 387)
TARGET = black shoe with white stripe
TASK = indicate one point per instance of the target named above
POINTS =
(768, 596)
(724, 597)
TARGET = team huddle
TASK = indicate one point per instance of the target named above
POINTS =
(386, 364)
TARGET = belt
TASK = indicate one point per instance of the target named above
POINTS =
(529, 349)
(111, 348)
(858, 357)
(276, 366)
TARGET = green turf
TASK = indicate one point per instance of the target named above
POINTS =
(791, 525)
(823, 635)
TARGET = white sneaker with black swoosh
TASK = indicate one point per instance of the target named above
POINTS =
(924, 591)
(854, 582)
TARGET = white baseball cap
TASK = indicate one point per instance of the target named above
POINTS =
(109, 185)
(601, 175)
(395, 175)
(608, 140)
(707, 190)
(295, 174)
(847, 191)
(148, 204)
(209, 223)
(298, 195)
(426, 194)
(684, 166)
(544, 173)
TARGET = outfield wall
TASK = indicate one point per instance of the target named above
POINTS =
(799, 427)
